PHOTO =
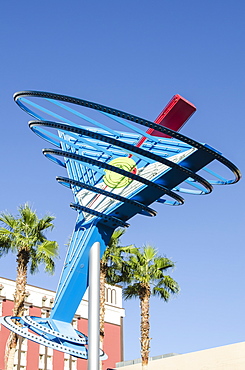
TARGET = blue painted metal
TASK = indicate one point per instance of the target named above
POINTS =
(128, 148)
(162, 164)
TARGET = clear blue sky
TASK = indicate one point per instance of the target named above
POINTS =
(135, 55)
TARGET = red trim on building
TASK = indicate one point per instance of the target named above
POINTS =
(32, 360)
(82, 326)
(112, 345)
(112, 342)
(58, 360)
(7, 309)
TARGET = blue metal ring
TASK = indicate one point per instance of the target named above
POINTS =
(48, 153)
(132, 118)
(116, 221)
(144, 209)
(129, 147)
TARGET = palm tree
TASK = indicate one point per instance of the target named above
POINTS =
(111, 271)
(24, 235)
(146, 278)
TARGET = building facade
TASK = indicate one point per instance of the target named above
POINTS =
(32, 356)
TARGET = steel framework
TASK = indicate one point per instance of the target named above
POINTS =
(114, 175)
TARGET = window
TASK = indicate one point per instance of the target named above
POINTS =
(111, 296)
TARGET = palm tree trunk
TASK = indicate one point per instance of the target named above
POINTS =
(102, 305)
(10, 351)
(21, 281)
(145, 325)
(102, 302)
(23, 257)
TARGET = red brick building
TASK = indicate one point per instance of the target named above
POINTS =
(32, 356)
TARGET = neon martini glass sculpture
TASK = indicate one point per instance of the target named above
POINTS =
(115, 170)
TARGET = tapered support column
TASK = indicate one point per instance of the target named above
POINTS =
(94, 308)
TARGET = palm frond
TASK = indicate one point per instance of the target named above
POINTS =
(25, 232)
(161, 292)
(49, 248)
(5, 232)
(45, 223)
(5, 245)
(115, 238)
(163, 263)
(131, 291)
(28, 216)
(8, 221)
(149, 252)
